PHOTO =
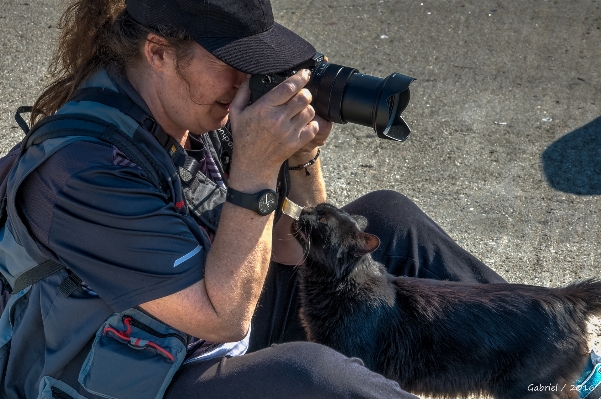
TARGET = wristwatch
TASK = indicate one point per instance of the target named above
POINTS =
(264, 202)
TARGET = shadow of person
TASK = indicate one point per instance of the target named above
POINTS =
(573, 163)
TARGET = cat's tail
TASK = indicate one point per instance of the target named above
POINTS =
(588, 293)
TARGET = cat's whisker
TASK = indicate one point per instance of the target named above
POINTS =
(306, 252)
(306, 246)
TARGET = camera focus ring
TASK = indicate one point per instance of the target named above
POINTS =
(322, 101)
(336, 95)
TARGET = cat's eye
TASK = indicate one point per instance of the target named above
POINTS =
(322, 219)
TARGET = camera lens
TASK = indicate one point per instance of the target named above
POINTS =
(342, 94)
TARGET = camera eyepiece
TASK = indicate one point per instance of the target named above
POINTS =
(341, 94)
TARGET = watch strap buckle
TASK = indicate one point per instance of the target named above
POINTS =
(291, 209)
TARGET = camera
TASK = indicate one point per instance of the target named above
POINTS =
(341, 94)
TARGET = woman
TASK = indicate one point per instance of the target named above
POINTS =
(127, 245)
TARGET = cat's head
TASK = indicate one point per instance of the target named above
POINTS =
(332, 237)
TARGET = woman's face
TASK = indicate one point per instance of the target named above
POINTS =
(197, 97)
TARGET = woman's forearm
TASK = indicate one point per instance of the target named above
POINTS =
(305, 191)
(239, 258)
(237, 265)
(219, 307)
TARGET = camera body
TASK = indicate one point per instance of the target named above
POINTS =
(341, 94)
(261, 84)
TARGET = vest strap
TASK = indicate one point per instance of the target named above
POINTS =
(23, 110)
(36, 274)
(51, 127)
(69, 285)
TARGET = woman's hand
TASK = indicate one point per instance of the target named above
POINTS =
(307, 152)
(272, 129)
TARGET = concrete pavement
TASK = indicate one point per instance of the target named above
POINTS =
(505, 152)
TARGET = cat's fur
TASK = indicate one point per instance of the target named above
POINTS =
(439, 337)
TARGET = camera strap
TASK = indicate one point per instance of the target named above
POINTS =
(225, 145)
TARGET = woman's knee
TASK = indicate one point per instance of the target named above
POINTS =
(386, 208)
(304, 357)
(378, 197)
(324, 372)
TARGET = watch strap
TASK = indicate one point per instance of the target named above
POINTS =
(249, 201)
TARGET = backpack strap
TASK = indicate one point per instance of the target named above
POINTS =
(124, 104)
(20, 121)
(114, 99)
(63, 125)
(36, 274)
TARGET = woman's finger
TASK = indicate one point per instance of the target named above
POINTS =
(242, 97)
(298, 103)
(308, 133)
(283, 92)
(303, 118)
(325, 126)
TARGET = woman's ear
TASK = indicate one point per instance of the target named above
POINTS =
(361, 221)
(156, 52)
(366, 244)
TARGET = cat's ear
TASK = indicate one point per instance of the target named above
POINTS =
(361, 221)
(367, 243)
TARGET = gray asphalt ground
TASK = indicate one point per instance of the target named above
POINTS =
(505, 152)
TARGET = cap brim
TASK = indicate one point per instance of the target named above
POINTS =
(275, 50)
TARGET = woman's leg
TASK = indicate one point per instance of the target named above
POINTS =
(412, 244)
(292, 370)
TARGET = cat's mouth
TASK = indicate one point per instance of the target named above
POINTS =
(296, 231)
(299, 233)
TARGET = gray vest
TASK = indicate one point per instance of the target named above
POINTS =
(129, 355)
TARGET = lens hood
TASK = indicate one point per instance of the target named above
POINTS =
(394, 98)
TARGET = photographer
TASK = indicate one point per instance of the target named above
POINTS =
(195, 265)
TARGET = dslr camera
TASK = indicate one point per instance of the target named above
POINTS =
(341, 94)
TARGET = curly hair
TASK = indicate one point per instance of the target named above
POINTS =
(94, 35)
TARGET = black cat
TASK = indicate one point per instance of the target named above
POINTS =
(441, 338)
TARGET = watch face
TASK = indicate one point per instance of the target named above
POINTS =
(267, 203)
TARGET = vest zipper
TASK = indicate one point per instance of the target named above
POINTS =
(138, 324)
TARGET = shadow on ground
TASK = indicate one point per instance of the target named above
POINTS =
(572, 164)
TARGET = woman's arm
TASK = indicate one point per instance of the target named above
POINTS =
(219, 308)
(305, 191)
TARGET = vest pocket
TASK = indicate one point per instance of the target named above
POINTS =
(54, 389)
(133, 357)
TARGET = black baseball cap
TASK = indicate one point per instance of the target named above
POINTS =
(241, 33)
